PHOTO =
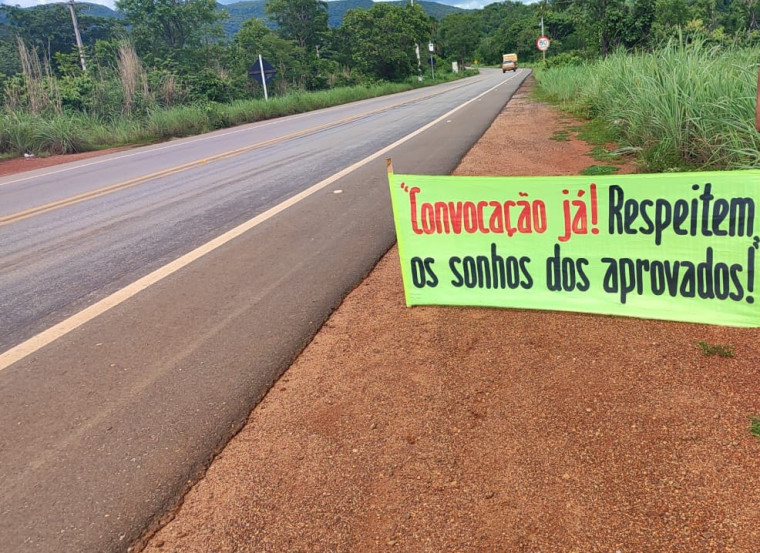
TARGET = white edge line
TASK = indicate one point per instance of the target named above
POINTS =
(148, 149)
(182, 142)
(59, 330)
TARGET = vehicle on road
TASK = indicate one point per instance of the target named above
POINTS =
(508, 63)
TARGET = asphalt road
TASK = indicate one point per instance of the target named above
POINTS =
(149, 299)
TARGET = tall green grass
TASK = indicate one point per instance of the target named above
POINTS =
(70, 132)
(29, 133)
(684, 106)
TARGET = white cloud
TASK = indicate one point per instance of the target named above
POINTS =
(473, 4)
(31, 3)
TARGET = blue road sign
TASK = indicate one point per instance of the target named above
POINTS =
(255, 71)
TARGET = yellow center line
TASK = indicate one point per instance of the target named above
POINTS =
(61, 329)
(91, 195)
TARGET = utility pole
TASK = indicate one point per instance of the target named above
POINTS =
(80, 47)
(417, 50)
(543, 11)
(543, 53)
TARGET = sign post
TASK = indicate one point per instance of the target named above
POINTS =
(431, 48)
(263, 78)
(263, 72)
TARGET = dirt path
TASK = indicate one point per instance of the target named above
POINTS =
(438, 429)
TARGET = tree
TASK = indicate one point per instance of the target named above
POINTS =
(746, 13)
(641, 17)
(602, 19)
(501, 26)
(670, 17)
(255, 38)
(493, 16)
(304, 21)
(380, 42)
(10, 63)
(459, 36)
(706, 11)
(48, 29)
(164, 27)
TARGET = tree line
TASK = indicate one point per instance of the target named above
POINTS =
(170, 52)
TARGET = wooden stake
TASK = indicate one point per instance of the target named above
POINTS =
(389, 165)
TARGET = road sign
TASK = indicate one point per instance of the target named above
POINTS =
(257, 68)
(543, 43)
(431, 47)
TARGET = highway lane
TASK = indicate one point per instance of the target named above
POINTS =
(88, 175)
(53, 264)
(104, 427)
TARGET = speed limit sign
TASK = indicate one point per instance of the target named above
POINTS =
(543, 43)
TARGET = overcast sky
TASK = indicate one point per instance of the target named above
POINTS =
(30, 3)
(469, 4)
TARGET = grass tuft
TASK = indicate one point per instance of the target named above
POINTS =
(600, 153)
(599, 170)
(754, 426)
(721, 351)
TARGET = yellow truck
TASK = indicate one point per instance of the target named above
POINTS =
(508, 63)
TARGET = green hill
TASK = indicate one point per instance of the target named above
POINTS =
(240, 11)
(85, 8)
(98, 10)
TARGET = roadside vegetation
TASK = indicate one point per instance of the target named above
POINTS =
(157, 69)
(754, 426)
(687, 105)
(719, 350)
(53, 130)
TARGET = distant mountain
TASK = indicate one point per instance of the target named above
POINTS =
(86, 8)
(98, 10)
(443, 2)
(438, 10)
(240, 11)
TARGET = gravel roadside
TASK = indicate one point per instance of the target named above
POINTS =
(467, 429)
(437, 429)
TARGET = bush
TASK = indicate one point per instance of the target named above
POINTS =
(208, 86)
(76, 92)
(564, 58)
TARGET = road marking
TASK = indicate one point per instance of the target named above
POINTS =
(59, 330)
(228, 132)
(119, 186)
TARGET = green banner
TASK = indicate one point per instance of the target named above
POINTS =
(675, 246)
